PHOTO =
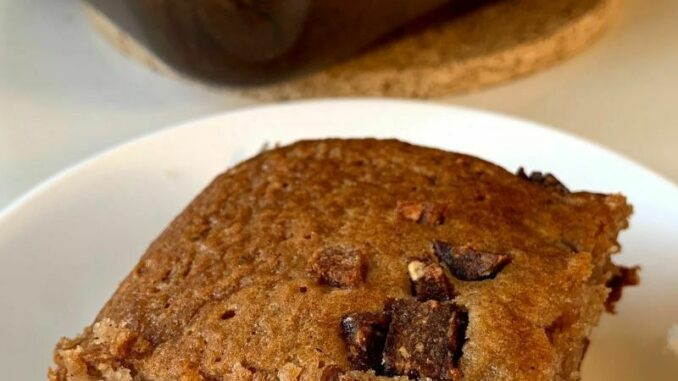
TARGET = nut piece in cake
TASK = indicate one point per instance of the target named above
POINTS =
(428, 213)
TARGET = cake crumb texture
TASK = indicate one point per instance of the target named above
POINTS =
(314, 261)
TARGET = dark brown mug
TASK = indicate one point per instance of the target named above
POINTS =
(258, 41)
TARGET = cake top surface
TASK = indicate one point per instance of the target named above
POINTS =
(283, 267)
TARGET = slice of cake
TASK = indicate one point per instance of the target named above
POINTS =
(357, 260)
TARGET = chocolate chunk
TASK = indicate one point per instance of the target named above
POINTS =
(429, 281)
(424, 339)
(422, 212)
(337, 267)
(625, 276)
(364, 334)
(547, 180)
(466, 263)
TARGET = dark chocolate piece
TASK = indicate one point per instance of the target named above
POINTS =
(467, 263)
(626, 276)
(546, 180)
(337, 267)
(364, 334)
(424, 339)
(429, 281)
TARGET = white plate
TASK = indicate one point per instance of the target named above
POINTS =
(66, 245)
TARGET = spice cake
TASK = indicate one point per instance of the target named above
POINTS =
(358, 260)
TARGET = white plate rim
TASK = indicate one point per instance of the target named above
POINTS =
(62, 175)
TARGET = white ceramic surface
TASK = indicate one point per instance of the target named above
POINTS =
(66, 245)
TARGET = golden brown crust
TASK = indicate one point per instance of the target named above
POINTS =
(225, 292)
